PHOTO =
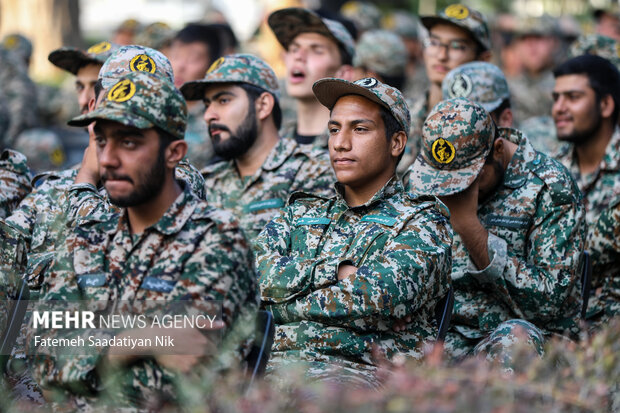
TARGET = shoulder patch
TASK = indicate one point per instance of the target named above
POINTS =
(562, 187)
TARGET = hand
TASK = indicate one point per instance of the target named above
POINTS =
(344, 270)
(89, 171)
(401, 323)
(463, 207)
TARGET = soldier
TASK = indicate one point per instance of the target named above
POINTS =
(585, 111)
(457, 35)
(365, 15)
(14, 181)
(259, 170)
(520, 230)
(164, 245)
(382, 55)
(315, 47)
(20, 46)
(338, 272)
(608, 22)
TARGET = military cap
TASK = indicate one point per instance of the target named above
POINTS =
(156, 36)
(470, 20)
(72, 59)
(365, 15)
(482, 82)
(544, 25)
(288, 23)
(134, 59)
(382, 52)
(129, 25)
(142, 100)
(18, 44)
(596, 44)
(457, 137)
(402, 23)
(329, 90)
(235, 68)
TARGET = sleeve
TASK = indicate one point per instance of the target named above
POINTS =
(86, 203)
(604, 245)
(14, 181)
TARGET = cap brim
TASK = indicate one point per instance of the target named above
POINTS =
(195, 90)
(491, 106)
(428, 180)
(328, 91)
(120, 115)
(71, 60)
(288, 23)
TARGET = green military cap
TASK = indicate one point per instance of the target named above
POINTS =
(365, 15)
(235, 68)
(382, 52)
(142, 100)
(72, 59)
(134, 59)
(466, 18)
(482, 82)
(402, 23)
(544, 25)
(596, 44)
(457, 137)
(156, 36)
(329, 90)
(288, 23)
(18, 44)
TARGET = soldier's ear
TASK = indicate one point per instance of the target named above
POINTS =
(484, 56)
(264, 105)
(91, 104)
(607, 106)
(398, 143)
(175, 152)
(345, 72)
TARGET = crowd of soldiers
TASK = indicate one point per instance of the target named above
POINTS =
(347, 199)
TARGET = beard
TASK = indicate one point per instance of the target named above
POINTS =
(241, 141)
(150, 184)
(499, 172)
(580, 137)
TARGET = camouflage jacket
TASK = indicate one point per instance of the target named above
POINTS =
(531, 96)
(401, 247)
(194, 252)
(536, 226)
(14, 181)
(320, 142)
(200, 148)
(255, 200)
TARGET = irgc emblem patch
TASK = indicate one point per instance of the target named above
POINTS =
(368, 83)
(216, 64)
(142, 63)
(457, 11)
(99, 48)
(122, 91)
(461, 86)
(443, 151)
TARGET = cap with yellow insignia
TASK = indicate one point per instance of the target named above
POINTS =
(72, 59)
(457, 137)
(134, 59)
(142, 100)
(468, 19)
(18, 44)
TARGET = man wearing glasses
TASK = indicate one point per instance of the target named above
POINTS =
(457, 35)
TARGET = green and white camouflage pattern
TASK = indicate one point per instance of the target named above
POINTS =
(288, 23)
(598, 45)
(155, 35)
(235, 68)
(193, 252)
(544, 25)
(402, 23)
(599, 190)
(72, 59)
(329, 90)
(18, 44)
(481, 82)
(458, 136)
(255, 200)
(401, 247)
(364, 14)
(134, 59)
(14, 181)
(540, 130)
(43, 148)
(381, 51)
(143, 101)
(530, 96)
(466, 18)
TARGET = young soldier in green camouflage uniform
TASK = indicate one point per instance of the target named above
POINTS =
(164, 245)
(338, 272)
(259, 170)
(14, 181)
(585, 111)
(519, 224)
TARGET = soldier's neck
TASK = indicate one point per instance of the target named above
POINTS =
(359, 195)
(255, 157)
(143, 216)
(434, 95)
(591, 153)
(312, 117)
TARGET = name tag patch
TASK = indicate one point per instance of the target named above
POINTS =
(266, 204)
(508, 222)
(380, 219)
(157, 284)
(313, 221)
(91, 280)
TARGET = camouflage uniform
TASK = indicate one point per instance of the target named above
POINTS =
(382, 52)
(536, 225)
(365, 15)
(193, 252)
(540, 130)
(156, 35)
(19, 45)
(596, 44)
(14, 181)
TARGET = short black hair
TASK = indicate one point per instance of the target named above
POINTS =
(254, 93)
(392, 126)
(497, 112)
(204, 33)
(603, 77)
(98, 88)
(165, 138)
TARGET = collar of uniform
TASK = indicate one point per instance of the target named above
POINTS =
(280, 153)
(524, 159)
(392, 187)
(611, 159)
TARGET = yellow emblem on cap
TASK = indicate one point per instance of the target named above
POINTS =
(457, 11)
(443, 151)
(618, 49)
(216, 64)
(122, 91)
(10, 42)
(142, 63)
(99, 48)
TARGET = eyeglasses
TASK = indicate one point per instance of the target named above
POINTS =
(454, 48)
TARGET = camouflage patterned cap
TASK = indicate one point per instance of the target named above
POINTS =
(329, 90)
(544, 25)
(134, 59)
(234, 68)
(457, 137)
(18, 44)
(142, 100)
(596, 44)
(481, 82)
(365, 15)
(156, 36)
(72, 59)
(402, 23)
(382, 52)
(466, 18)
(288, 23)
